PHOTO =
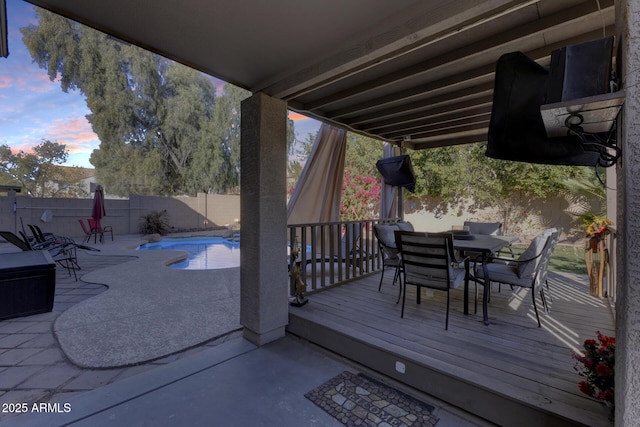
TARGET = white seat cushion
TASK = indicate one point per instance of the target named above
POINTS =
(457, 276)
(505, 273)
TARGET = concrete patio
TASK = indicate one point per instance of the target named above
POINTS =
(193, 379)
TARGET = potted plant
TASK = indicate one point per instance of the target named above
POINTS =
(596, 228)
(597, 366)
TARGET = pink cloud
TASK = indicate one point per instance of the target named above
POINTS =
(11, 111)
(5, 81)
(219, 84)
(39, 82)
(25, 79)
(75, 133)
(26, 147)
(296, 116)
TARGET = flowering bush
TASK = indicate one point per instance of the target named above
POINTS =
(360, 197)
(598, 368)
(596, 225)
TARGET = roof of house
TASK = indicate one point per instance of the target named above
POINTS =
(78, 172)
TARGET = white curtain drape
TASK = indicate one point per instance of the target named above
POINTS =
(316, 197)
(388, 193)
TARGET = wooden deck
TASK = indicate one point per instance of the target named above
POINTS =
(510, 372)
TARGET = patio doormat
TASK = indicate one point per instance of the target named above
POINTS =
(359, 400)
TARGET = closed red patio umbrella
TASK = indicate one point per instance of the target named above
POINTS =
(98, 206)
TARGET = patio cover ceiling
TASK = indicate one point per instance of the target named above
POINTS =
(414, 72)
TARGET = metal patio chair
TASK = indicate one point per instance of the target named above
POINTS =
(428, 261)
(529, 270)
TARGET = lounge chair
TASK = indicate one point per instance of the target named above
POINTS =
(63, 253)
(42, 238)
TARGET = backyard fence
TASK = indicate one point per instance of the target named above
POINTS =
(203, 212)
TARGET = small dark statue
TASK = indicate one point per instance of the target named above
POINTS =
(298, 300)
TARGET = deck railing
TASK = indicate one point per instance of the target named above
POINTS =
(332, 253)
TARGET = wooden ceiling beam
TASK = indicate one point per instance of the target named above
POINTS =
(445, 142)
(418, 128)
(426, 27)
(451, 98)
(430, 114)
(478, 75)
(514, 35)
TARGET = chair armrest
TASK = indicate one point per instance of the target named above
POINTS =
(517, 260)
(457, 262)
(478, 260)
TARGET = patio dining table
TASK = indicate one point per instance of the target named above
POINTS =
(485, 245)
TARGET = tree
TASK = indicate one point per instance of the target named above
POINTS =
(162, 129)
(361, 182)
(299, 151)
(362, 154)
(459, 175)
(67, 182)
(35, 171)
(217, 156)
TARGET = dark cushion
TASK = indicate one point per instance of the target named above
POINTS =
(404, 226)
(386, 234)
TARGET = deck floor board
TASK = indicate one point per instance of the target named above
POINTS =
(534, 364)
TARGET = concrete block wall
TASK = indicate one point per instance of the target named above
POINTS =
(185, 213)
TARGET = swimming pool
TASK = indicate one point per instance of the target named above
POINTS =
(204, 253)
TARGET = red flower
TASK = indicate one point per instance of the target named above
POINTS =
(603, 370)
(597, 365)
(588, 362)
(585, 387)
(605, 395)
(606, 341)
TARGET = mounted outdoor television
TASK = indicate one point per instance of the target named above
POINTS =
(516, 129)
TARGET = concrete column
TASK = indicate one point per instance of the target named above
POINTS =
(134, 213)
(628, 219)
(202, 217)
(263, 218)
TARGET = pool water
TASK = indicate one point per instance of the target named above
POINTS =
(204, 253)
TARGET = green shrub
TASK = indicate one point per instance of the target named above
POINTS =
(155, 222)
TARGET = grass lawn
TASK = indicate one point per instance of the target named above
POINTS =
(569, 259)
(565, 258)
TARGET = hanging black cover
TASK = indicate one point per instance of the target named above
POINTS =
(516, 129)
(397, 171)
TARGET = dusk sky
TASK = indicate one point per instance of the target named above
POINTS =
(33, 108)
